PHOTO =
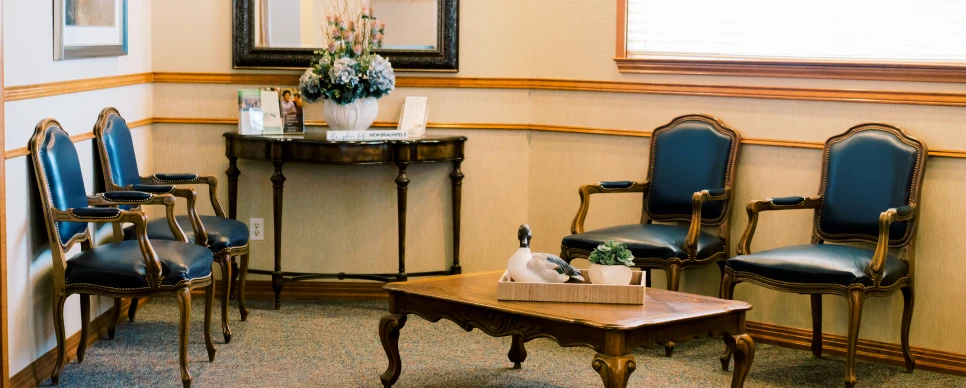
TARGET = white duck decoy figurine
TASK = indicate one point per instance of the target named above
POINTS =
(527, 267)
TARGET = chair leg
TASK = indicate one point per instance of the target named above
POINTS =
(673, 276)
(132, 310)
(115, 318)
(85, 306)
(816, 325)
(856, 297)
(225, 262)
(184, 304)
(209, 301)
(242, 277)
(727, 292)
(61, 337)
(907, 297)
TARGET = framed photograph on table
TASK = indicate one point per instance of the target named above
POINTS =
(90, 28)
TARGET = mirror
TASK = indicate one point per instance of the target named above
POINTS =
(420, 35)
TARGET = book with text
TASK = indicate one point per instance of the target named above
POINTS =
(366, 135)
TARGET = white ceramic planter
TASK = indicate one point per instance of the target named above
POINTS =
(355, 116)
(610, 274)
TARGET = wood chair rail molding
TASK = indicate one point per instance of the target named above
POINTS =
(23, 92)
(790, 68)
(478, 126)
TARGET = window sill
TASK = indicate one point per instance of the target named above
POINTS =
(912, 72)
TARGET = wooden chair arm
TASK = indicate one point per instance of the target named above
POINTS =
(168, 200)
(697, 201)
(755, 207)
(602, 188)
(191, 179)
(896, 214)
(107, 215)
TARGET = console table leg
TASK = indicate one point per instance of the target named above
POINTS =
(614, 370)
(457, 178)
(278, 181)
(389, 327)
(233, 174)
(518, 351)
(743, 348)
(402, 191)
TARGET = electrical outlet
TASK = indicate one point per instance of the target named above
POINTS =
(256, 229)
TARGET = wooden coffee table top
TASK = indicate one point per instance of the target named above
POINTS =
(660, 306)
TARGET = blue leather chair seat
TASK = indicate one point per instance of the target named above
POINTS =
(647, 241)
(222, 232)
(122, 265)
(818, 263)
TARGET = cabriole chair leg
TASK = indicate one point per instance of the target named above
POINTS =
(184, 304)
(242, 277)
(225, 262)
(855, 319)
(209, 301)
(816, 325)
(85, 306)
(112, 328)
(61, 337)
(907, 297)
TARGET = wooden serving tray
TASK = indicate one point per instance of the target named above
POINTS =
(582, 292)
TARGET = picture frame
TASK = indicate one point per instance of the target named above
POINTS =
(90, 28)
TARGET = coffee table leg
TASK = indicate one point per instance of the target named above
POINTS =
(614, 370)
(518, 351)
(389, 327)
(744, 351)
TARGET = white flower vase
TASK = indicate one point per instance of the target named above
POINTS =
(610, 274)
(354, 116)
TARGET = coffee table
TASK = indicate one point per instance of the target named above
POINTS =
(614, 331)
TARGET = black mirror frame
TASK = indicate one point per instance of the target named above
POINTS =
(444, 59)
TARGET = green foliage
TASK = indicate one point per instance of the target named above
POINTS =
(612, 253)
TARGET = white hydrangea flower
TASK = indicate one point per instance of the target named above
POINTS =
(343, 72)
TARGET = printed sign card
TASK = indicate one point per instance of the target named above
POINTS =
(291, 103)
(413, 116)
(271, 112)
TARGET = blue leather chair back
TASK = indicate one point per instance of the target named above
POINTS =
(119, 149)
(64, 182)
(690, 154)
(869, 169)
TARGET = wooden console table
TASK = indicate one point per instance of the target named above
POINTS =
(313, 148)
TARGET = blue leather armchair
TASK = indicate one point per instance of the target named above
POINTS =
(871, 180)
(122, 269)
(226, 237)
(690, 182)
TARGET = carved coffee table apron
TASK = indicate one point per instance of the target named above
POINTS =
(614, 331)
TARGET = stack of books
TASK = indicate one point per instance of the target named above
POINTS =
(366, 135)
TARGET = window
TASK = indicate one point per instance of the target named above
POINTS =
(921, 40)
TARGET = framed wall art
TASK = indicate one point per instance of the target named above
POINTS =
(90, 28)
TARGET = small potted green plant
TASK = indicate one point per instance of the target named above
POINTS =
(610, 263)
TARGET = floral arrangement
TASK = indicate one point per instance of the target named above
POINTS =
(348, 69)
(612, 253)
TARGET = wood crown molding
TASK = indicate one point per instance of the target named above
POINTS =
(39, 371)
(23, 92)
(478, 126)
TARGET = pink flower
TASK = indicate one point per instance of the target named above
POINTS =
(366, 10)
(331, 47)
(330, 19)
(357, 49)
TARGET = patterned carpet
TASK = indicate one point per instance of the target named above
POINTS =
(335, 344)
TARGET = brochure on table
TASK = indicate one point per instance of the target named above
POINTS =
(413, 116)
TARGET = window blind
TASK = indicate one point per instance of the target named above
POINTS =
(851, 30)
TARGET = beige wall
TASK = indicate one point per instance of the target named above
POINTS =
(28, 57)
(342, 218)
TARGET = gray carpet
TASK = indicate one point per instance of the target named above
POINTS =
(335, 344)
